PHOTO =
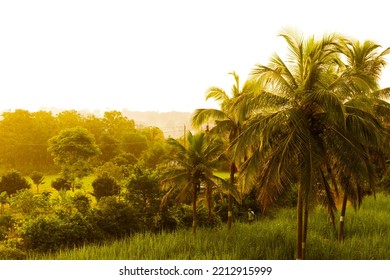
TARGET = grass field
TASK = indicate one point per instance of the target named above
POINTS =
(86, 182)
(367, 237)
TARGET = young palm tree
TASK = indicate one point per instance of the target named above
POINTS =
(190, 167)
(229, 121)
(300, 127)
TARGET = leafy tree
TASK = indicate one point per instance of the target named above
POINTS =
(114, 218)
(115, 171)
(23, 138)
(16, 138)
(69, 119)
(153, 135)
(71, 150)
(125, 159)
(37, 178)
(134, 143)
(117, 125)
(191, 166)
(12, 181)
(143, 194)
(109, 146)
(154, 155)
(105, 185)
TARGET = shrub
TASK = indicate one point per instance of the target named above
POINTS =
(105, 185)
(7, 222)
(7, 253)
(12, 181)
(202, 215)
(50, 233)
(113, 218)
(24, 201)
(61, 184)
(82, 203)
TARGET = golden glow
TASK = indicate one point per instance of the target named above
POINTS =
(152, 55)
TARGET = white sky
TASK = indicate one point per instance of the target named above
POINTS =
(155, 55)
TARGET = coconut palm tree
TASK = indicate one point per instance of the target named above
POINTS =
(192, 166)
(364, 62)
(300, 127)
(229, 120)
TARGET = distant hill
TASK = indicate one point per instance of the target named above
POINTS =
(172, 124)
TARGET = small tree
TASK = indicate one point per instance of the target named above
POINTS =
(71, 150)
(61, 184)
(12, 181)
(192, 165)
(144, 195)
(105, 185)
(37, 178)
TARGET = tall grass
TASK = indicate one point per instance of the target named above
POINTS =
(367, 237)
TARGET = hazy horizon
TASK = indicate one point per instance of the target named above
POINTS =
(154, 55)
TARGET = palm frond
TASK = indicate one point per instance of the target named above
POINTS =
(217, 94)
(202, 116)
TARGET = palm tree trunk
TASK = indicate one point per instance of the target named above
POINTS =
(230, 198)
(299, 223)
(342, 215)
(304, 234)
(194, 213)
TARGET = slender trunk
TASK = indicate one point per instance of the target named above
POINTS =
(230, 198)
(342, 215)
(299, 223)
(209, 202)
(304, 234)
(194, 213)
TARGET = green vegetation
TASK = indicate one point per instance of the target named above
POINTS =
(309, 132)
(269, 238)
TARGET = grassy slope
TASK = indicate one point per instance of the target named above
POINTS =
(367, 237)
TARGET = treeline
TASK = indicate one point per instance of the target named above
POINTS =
(24, 137)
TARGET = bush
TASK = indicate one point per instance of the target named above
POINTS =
(25, 202)
(82, 203)
(7, 253)
(43, 234)
(113, 218)
(203, 219)
(12, 181)
(50, 233)
(105, 185)
(61, 184)
(7, 222)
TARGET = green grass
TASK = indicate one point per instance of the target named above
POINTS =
(367, 237)
(86, 181)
